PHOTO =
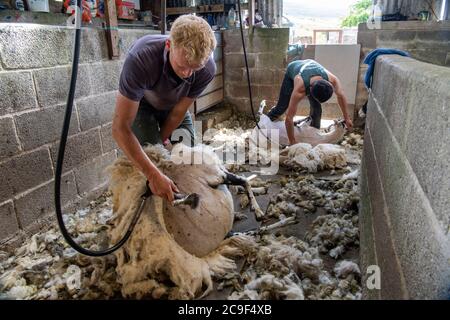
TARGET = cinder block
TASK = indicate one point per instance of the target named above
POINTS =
(419, 244)
(8, 220)
(421, 247)
(243, 104)
(27, 46)
(237, 90)
(367, 39)
(93, 46)
(127, 37)
(232, 42)
(236, 60)
(279, 76)
(36, 128)
(23, 172)
(266, 92)
(96, 110)
(40, 202)
(401, 36)
(80, 148)
(108, 142)
(440, 36)
(16, 92)
(262, 76)
(432, 54)
(391, 275)
(104, 76)
(234, 75)
(9, 143)
(393, 87)
(262, 45)
(367, 256)
(91, 175)
(427, 136)
(271, 60)
(52, 84)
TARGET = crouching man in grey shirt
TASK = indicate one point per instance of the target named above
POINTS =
(160, 79)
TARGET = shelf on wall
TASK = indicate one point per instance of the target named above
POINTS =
(198, 9)
(180, 10)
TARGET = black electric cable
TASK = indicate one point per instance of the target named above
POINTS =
(60, 159)
(241, 27)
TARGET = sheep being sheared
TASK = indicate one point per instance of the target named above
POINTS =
(174, 251)
(303, 132)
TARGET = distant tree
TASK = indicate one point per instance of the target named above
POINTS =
(359, 13)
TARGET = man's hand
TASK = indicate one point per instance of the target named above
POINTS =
(296, 96)
(167, 144)
(342, 100)
(162, 186)
(348, 123)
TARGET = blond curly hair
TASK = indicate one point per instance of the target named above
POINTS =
(195, 36)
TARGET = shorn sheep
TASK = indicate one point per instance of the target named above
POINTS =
(303, 132)
(174, 251)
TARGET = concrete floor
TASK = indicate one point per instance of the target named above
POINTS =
(298, 230)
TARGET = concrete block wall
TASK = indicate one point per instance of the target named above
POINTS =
(405, 180)
(427, 41)
(34, 80)
(266, 51)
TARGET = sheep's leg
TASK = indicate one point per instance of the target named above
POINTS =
(256, 190)
(278, 224)
(233, 179)
(255, 206)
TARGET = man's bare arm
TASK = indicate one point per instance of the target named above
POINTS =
(342, 100)
(296, 96)
(175, 117)
(124, 116)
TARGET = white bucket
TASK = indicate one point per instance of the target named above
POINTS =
(38, 5)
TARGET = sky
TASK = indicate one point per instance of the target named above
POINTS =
(317, 8)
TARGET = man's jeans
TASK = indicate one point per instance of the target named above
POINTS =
(283, 103)
(149, 121)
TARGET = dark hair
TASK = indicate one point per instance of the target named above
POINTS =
(321, 90)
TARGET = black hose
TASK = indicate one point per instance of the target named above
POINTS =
(241, 26)
(62, 147)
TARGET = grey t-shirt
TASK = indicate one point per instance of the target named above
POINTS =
(147, 73)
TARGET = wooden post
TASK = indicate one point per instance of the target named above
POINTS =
(163, 16)
(251, 13)
(112, 30)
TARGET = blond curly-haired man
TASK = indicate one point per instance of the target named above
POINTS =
(161, 77)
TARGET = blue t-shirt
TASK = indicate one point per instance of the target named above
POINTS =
(147, 73)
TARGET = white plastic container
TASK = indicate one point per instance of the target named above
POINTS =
(38, 5)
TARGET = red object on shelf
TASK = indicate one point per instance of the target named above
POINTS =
(86, 14)
(125, 10)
